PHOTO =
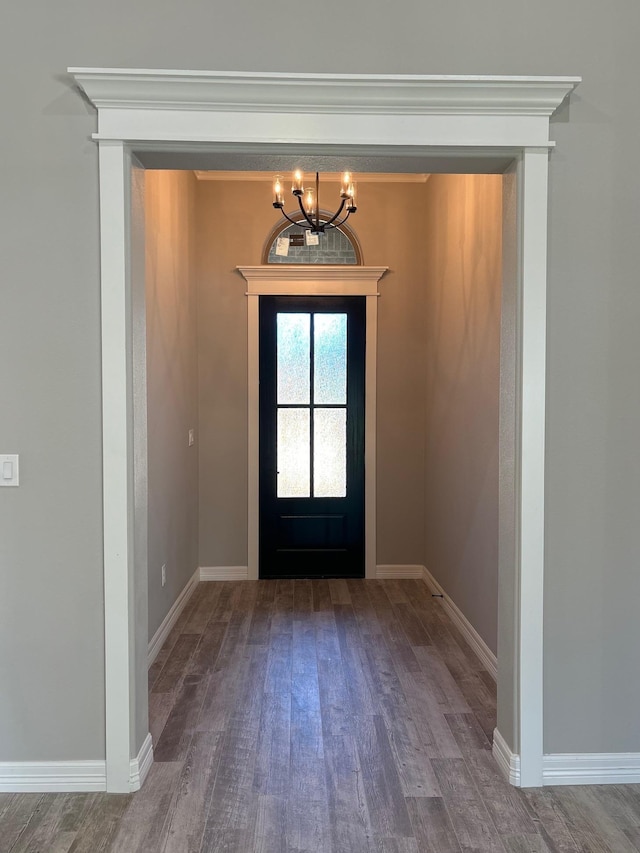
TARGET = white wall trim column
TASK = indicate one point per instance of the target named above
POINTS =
(532, 176)
(328, 280)
(117, 460)
(498, 119)
(253, 429)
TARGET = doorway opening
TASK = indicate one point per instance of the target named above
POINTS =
(423, 319)
(490, 123)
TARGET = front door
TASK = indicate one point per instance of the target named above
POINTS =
(312, 370)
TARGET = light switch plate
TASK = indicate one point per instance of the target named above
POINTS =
(192, 437)
(9, 469)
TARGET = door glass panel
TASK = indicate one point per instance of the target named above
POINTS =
(330, 358)
(293, 453)
(294, 354)
(330, 453)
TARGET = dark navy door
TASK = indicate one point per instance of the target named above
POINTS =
(312, 369)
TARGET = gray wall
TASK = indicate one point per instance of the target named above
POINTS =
(51, 624)
(172, 386)
(509, 425)
(388, 225)
(463, 274)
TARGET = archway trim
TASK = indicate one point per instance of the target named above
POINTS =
(184, 112)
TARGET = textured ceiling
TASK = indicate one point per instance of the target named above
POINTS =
(281, 158)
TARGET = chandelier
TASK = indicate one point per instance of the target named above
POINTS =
(309, 201)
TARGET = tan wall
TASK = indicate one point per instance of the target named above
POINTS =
(234, 220)
(463, 286)
(172, 404)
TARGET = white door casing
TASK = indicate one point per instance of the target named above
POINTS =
(325, 280)
(395, 116)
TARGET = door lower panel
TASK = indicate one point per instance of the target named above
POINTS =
(311, 531)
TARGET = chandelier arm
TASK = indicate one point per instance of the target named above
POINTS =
(330, 224)
(292, 221)
(342, 221)
(304, 213)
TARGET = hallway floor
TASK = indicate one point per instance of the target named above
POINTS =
(322, 716)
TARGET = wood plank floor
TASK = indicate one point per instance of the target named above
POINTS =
(323, 716)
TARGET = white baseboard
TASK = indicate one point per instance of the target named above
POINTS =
(157, 641)
(53, 776)
(398, 572)
(507, 761)
(224, 573)
(482, 650)
(141, 764)
(595, 768)
(43, 777)
(574, 768)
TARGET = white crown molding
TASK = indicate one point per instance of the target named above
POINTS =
(309, 272)
(400, 94)
(319, 279)
(475, 641)
(157, 641)
(361, 177)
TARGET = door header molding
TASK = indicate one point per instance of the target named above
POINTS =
(183, 107)
(312, 279)
(406, 94)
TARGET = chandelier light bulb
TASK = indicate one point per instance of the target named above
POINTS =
(351, 198)
(309, 202)
(297, 186)
(344, 186)
(278, 191)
